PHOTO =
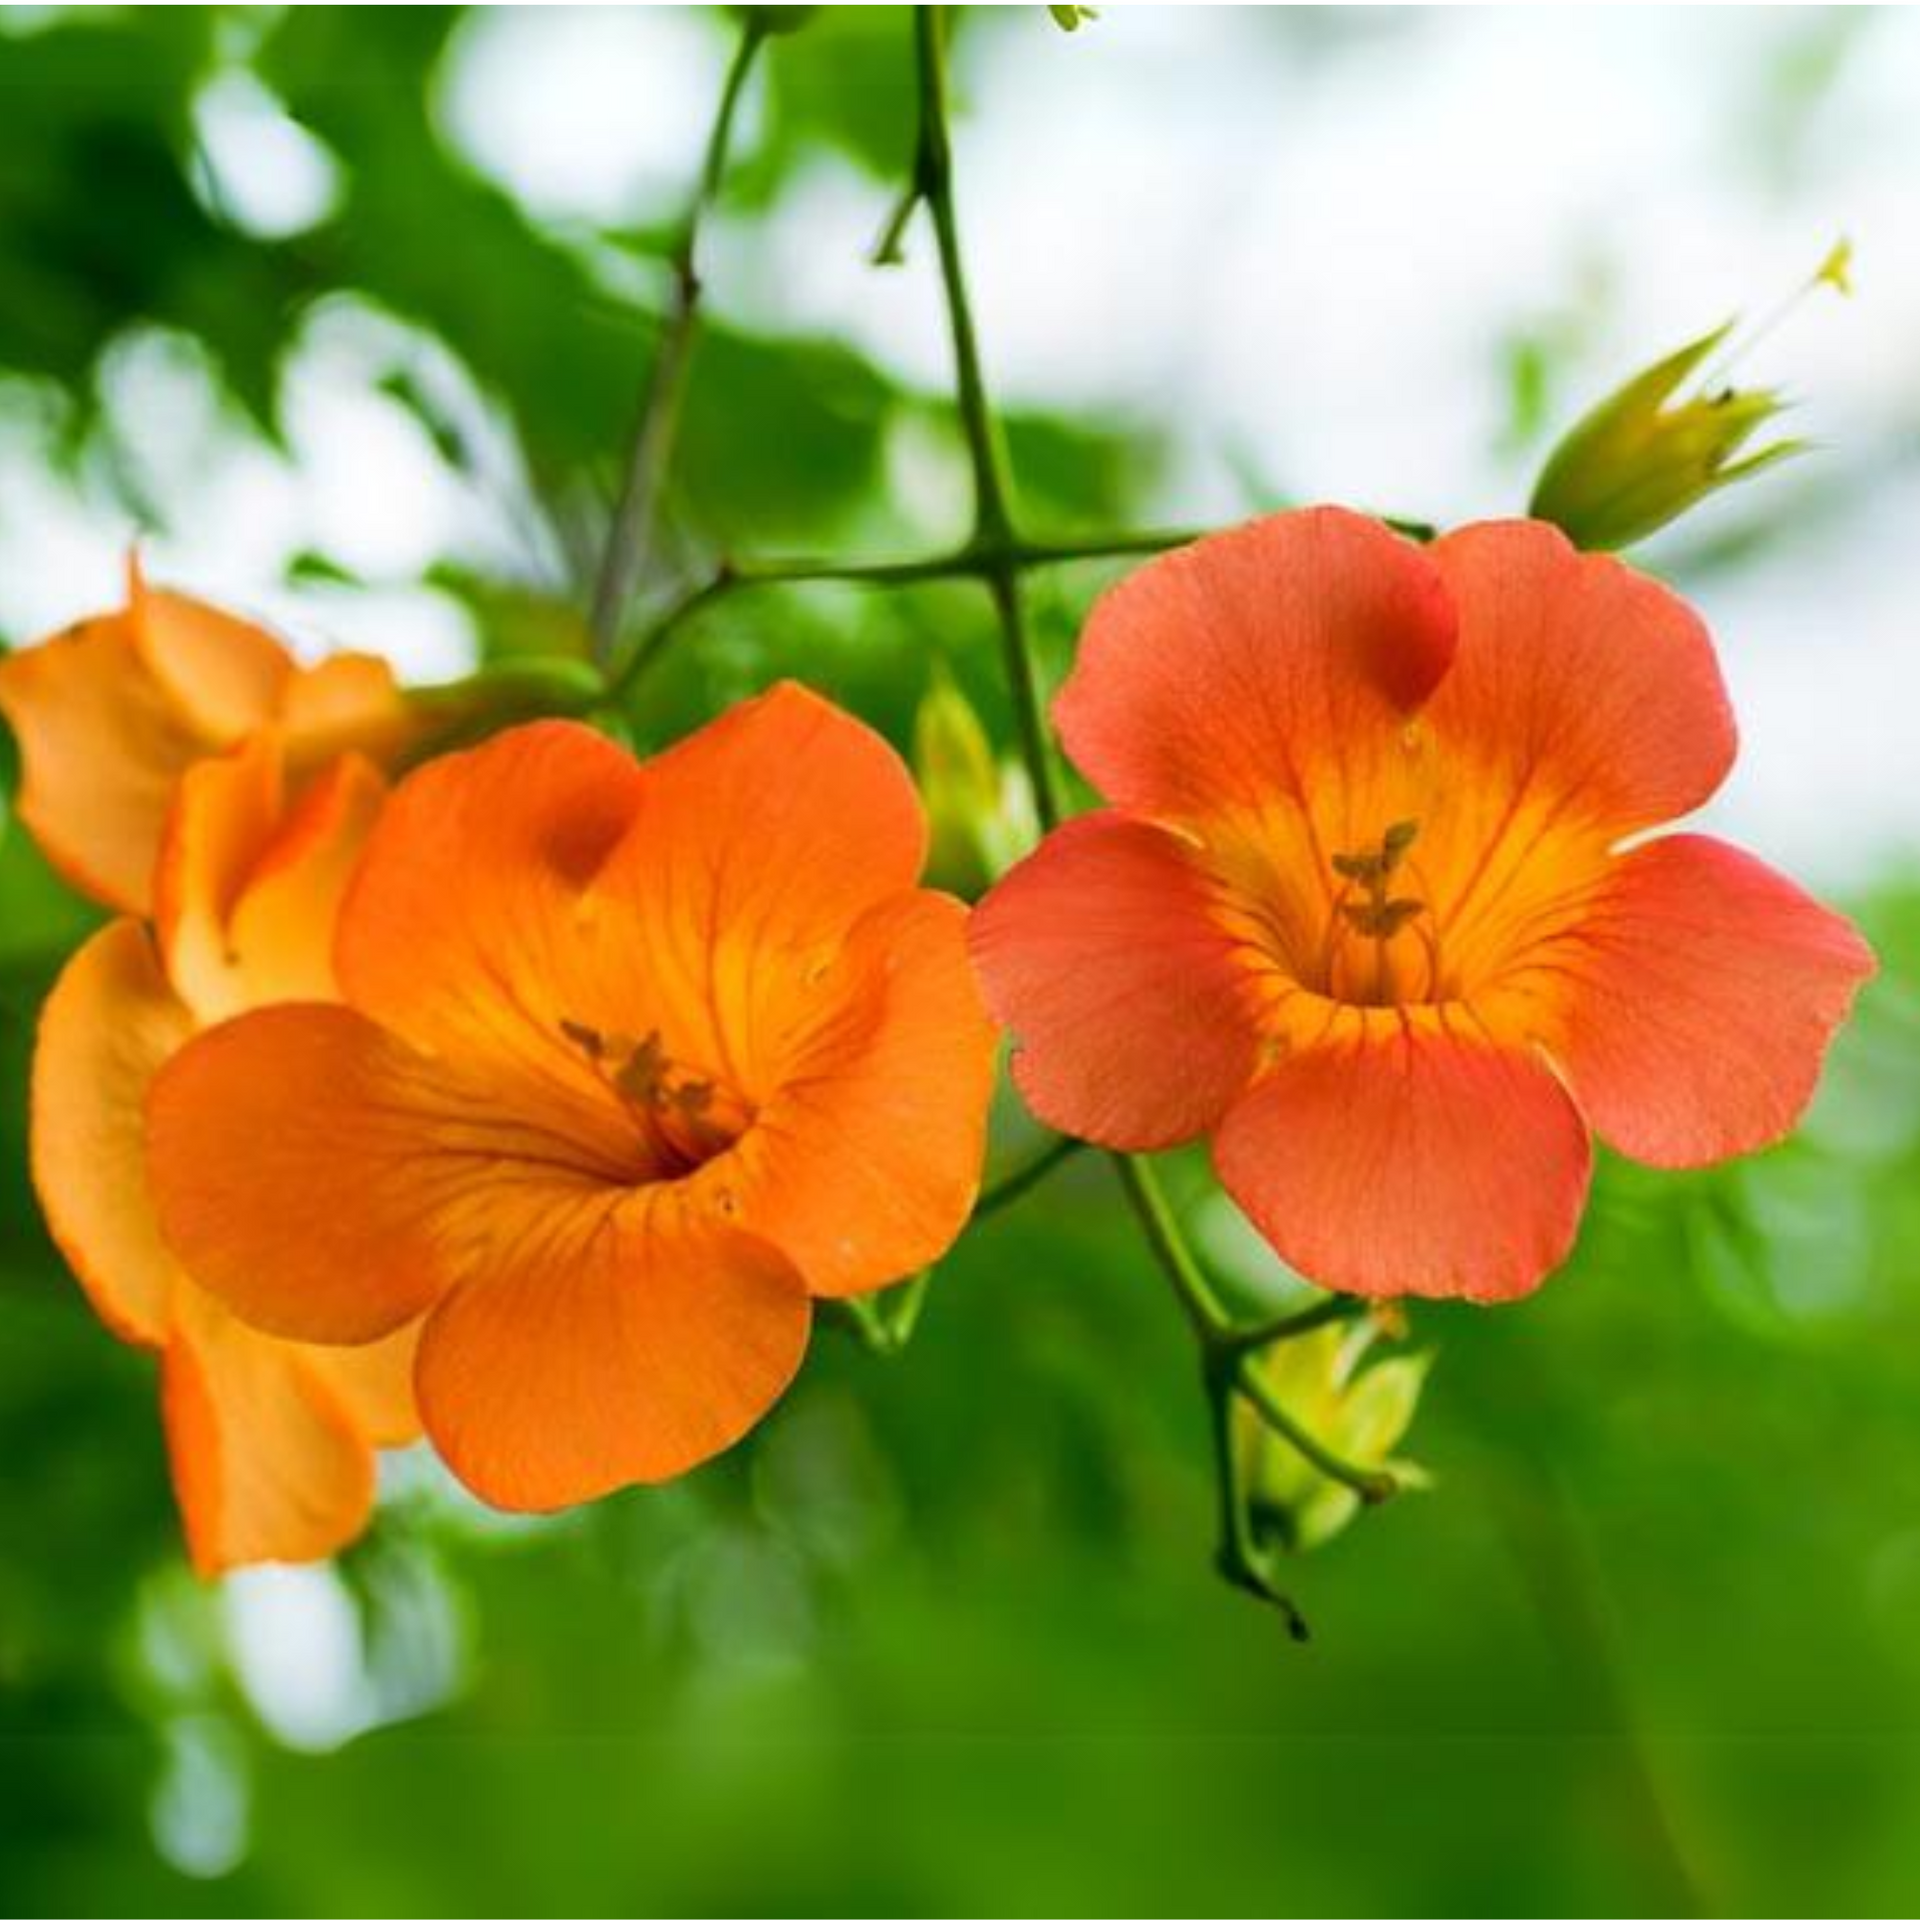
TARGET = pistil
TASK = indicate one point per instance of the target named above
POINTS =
(688, 1118)
(1381, 914)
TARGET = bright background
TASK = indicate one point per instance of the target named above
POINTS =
(346, 313)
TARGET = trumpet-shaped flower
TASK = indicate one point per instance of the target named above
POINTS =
(271, 1442)
(637, 1060)
(110, 713)
(1373, 906)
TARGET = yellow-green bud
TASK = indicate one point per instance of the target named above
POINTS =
(1643, 456)
(979, 813)
(1357, 1412)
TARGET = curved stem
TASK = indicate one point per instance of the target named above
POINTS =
(1190, 1284)
(993, 528)
(1013, 1186)
(1289, 1326)
(659, 633)
(933, 175)
(628, 540)
(997, 554)
(970, 562)
(1240, 1557)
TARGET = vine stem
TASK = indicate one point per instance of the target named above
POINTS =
(968, 562)
(630, 537)
(994, 539)
(995, 554)
(1022, 1180)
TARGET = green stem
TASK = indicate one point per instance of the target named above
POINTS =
(1241, 1559)
(993, 529)
(1029, 703)
(997, 554)
(1190, 1284)
(1004, 1192)
(1106, 546)
(630, 537)
(889, 249)
(970, 562)
(651, 644)
(1290, 1326)
(993, 492)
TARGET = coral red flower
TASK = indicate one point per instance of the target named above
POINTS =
(110, 713)
(271, 1442)
(1371, 910)
(638, 1059)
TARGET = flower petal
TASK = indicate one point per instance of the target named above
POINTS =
(864, 1164)
(1403, 1156)
(224, 812)
(100, 749)
(223, 674)
(785, 816)
(462, 924)
(374, 1384)
(1128, 1000)
(108, 1025)
(1277, 659)
(621, 1344)
(329, 1183)
(1580, 685)
(281, 929)
(759, 842)
(268, 1461)
(348, 702)
(1693, 1005)
(246, 895)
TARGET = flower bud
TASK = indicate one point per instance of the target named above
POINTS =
(1357, 1412)
(979, 812)
(1643, 456)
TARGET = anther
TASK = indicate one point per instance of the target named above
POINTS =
(1381, 919)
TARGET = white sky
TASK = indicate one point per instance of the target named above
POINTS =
(1304, 244)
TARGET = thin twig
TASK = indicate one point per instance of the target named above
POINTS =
(1290, 1326)
(630, 538)
(1004, 1192)
(973, 561)
(998, 555)
(1162, 1230)
(993, 526)
(1240, 1557)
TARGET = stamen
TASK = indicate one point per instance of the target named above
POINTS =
(1381, 919)
(592, 1044)
(684, 1116)
(1380, 916)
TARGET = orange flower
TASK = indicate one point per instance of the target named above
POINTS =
(271, 1443)
(1364, 909)
(110, 713)
(637, 1059)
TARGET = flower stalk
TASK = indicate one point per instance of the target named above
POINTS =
(996, 550)
(630, 539)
